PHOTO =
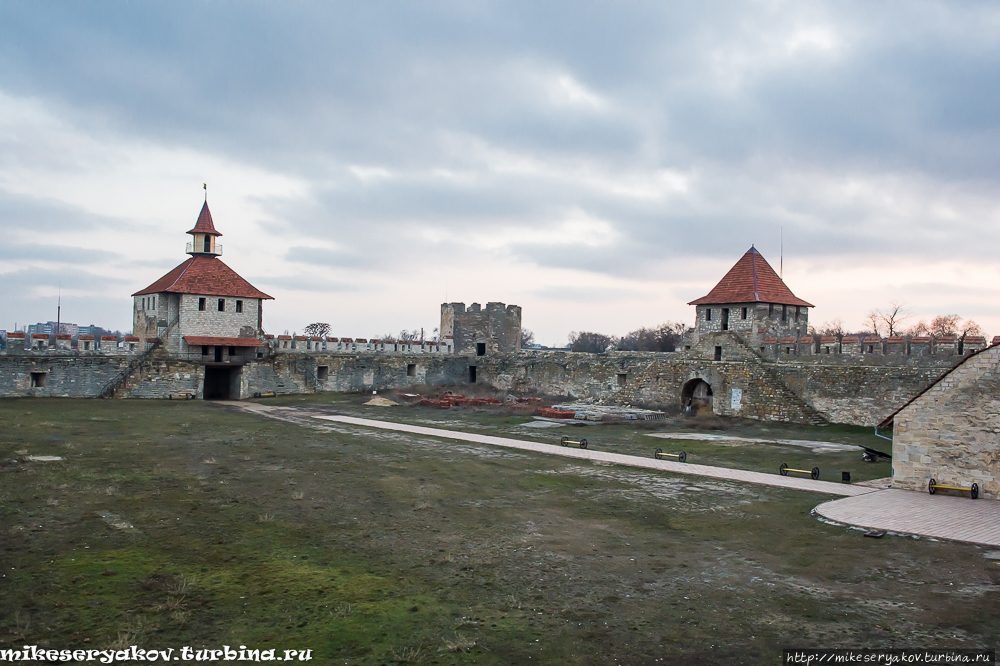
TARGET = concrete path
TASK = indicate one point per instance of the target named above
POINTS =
(793, 483)
(910, 512)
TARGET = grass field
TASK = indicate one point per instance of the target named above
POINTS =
(187, 523)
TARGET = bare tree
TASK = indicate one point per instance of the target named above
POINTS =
(594, 343)
(894, 316)
(833, 327)
(317, 329)
(945, 325)
(874, 321)
(920, 328)
(663, 338)
(527, 338)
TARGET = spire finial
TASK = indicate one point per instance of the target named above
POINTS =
(205, 185)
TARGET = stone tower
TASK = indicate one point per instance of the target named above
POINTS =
(753, 302)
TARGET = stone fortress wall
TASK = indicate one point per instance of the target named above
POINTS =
(801, 386)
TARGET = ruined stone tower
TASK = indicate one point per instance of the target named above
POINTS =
(497, 329)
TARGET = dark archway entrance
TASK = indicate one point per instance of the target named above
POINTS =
(222, 383)
(696, 396)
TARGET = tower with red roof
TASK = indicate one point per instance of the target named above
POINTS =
(202, 310)
(752, 301)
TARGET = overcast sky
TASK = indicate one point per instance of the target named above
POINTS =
(600, 164)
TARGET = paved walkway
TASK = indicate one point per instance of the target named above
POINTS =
(909, 512)
(793, 483)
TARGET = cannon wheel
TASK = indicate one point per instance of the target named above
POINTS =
(656, 453)
(783, 470)
(815, 473)
(583, 443)
(564, 440)
(974, 490)
(930, 486)
(682, 457)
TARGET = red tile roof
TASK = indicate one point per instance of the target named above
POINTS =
(203, 275)
(770, 341)
(751, 280)
(827, 339)
(218, 341)
(204, 224)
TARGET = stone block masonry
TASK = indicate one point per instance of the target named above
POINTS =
(949, 433)
(740, 381)
(493, 330)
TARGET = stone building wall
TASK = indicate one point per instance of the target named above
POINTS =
(950, 432)
(211, 321)
(497, 327)
(752, 321)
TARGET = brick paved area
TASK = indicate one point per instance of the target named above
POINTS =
(616, 458)
(910, 512)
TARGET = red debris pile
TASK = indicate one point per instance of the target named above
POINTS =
(554, 413)
(452, 400)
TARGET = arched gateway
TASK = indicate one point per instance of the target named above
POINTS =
(696, 396)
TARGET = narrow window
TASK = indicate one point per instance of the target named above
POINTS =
(718, 353)
(725, 319)
(622, 379)
(322, 372)
(222, 305)
(204, 350)
(232, 351)
(218, 354)
(770, 309)
(411, 369)
(154, 302)
(744, 316)
(708, 314)
(796, 314)
(784, 313)
(144, 304)
(788, 350)
(201, 304)
(208, 243)
(37, 380)
(480, 349)
(239, 306)
(472, 374)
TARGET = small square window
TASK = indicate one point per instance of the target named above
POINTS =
(37, 380)
(411, 369)
(239, 306)
(201, 304)
(232, 351)
(708, 314)
(222, 305)
(480, 349)
(322, 372)
(204, 350)
(622, 379)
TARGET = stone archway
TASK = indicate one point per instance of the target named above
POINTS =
(696, 396)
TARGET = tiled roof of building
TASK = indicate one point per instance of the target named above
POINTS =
(205, 224)
(751, 280)
(203, 275)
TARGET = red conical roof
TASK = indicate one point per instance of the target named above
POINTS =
(751, 280)
(204, 275)
(205, 225)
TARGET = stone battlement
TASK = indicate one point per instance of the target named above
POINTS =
(287, 344)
